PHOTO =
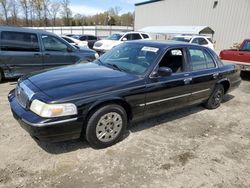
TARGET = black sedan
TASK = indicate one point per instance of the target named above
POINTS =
(132, 81)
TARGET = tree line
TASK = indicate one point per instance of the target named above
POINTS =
(38, 13)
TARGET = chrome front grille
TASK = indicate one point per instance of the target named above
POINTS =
(23, 94)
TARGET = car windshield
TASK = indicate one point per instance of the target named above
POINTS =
(114, 37)
(130, 58)
(181, 39)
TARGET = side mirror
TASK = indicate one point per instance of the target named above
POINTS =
(164, 72)
(124, 39)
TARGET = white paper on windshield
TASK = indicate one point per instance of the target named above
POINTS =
(150, 49)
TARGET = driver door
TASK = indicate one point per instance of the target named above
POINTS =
(244, 53)
(171, 92)
(56, 52)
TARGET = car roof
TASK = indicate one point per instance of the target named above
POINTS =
(22, 29)
(81, 35)
(164, 44)
(191, 36)
(130, 32)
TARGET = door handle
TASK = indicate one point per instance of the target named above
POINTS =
(241, 54)
(187, 80)
(47, 54)
(36, 55)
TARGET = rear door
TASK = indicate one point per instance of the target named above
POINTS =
(204, 73)
(20, 53)
(56, 52)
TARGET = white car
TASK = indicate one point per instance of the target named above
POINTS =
(118, 38)
(76, 42)
(195, 39)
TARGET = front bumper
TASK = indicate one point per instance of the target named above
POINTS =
(49, 130)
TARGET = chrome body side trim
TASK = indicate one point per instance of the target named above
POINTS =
(50, 123)
(176, 97)
(201, 91)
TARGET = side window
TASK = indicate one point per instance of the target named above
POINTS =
(82, 38)
(92, 38)
(246, 46)
(202, 41)
(52, 43)
(195, 41)
(210, 61)
(68, 40)
(128, 36)
(145, 36)
(174, 60)
(17, 41)
(136, 36)
(200, 60)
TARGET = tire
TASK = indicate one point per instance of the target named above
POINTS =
(106, 126)
(1, 76)
(216, 98)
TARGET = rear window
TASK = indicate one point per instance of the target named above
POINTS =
(210, 40)
(181, 39)
(18, 41)
(246, 46)
(202, 41)
(145, 36)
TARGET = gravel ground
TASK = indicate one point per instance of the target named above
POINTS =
(191, 147)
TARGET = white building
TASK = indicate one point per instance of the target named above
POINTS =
(230, 19)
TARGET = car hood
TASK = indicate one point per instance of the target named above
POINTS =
(88, 79)
(106, 44)
(86, 50)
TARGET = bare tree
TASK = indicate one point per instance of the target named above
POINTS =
(46, 4)
(25, 7)
(114, 11)
(31, 11)
(5, 6)
(38, 7)
(14, 10)
(54, 9)
(66, 12)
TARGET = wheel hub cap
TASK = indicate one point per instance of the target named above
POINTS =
(109, 127)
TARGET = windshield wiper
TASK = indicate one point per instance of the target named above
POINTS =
(115, 66)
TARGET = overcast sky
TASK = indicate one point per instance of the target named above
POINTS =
(91, 7)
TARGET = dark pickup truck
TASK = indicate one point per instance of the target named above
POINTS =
(239, 56)
(133, 81)
(24, 51)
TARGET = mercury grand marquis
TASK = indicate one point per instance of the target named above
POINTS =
(131, 82)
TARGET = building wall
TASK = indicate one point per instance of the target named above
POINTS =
(230, 19)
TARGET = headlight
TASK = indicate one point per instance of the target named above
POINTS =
(52, 110)
(96, 55)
